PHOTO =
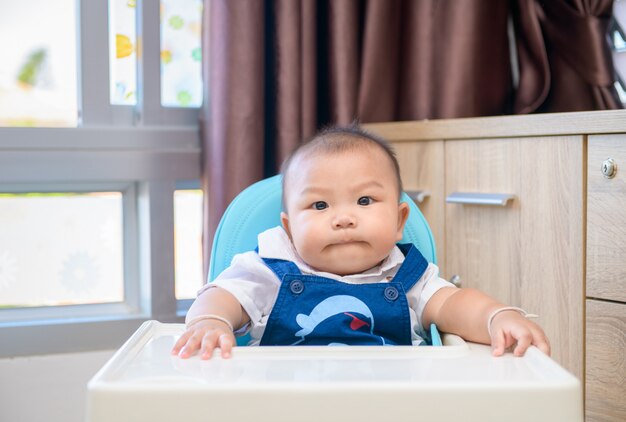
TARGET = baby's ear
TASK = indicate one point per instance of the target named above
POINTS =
(403, 215)
(284, 220)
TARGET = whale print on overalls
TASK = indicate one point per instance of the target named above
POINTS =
(315, 310)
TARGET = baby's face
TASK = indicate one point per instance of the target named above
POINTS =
(343, 214)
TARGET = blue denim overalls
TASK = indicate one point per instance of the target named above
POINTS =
(315, 310)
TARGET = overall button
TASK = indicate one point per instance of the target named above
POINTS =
(391, 293)
(296, 287)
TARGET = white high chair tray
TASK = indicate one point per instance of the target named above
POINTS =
(459, 381)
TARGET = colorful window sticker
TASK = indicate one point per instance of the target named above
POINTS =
(123, 52)
(181, 53)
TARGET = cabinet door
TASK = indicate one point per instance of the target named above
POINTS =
(606, 219)
(421, 168)
(605, 375)
(528, 253)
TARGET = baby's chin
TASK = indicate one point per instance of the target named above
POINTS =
(345, 259)
(346, 268)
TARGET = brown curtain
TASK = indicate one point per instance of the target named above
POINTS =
(277, 70)
(565, 59)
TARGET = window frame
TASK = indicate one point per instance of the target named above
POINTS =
(144, 149)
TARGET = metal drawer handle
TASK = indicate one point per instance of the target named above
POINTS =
(471, 198)
(418, 196)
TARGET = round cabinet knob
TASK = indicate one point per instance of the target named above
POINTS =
(609, 168)
(456, 280)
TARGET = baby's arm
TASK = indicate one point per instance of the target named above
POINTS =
(465, 312)
(210, 323)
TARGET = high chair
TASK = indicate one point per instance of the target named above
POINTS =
(142, 382)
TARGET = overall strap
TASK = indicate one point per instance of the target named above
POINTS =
(280, 267)
(413, 267)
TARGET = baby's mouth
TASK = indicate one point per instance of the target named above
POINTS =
(347, 242)
(340, 244)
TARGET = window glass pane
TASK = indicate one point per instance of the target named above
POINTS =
(621, 92)
(181, 53)
(38, 82)
(122, 52)
(188, 242)
(61, 249)
(619, 44)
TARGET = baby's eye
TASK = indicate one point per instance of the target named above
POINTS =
(365, 200)
(320, 205)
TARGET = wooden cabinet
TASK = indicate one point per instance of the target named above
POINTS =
(557, 249)
(529, 252)
(606, 279)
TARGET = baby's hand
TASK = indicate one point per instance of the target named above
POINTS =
(509, 327)
(205, 336)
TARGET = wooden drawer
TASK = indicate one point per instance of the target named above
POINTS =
(606, 219)
(480, 234)
(605, 383)
(528, 253)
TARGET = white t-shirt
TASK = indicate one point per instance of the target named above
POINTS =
(256, 286)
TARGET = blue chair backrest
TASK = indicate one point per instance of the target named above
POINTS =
(258, 208)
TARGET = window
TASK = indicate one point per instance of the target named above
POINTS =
(180, 52)
(92, 193)
(188, 239)
(38, 77)
(61, 248)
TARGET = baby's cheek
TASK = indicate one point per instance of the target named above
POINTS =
(306, 247)
(310, 236)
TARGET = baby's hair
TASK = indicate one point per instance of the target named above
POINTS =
(334, 139)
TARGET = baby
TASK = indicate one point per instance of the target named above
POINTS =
(334, 273)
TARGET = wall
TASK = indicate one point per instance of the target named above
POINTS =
(50, 388)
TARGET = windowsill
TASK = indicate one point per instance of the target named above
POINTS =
(99, 138)
(68, 336)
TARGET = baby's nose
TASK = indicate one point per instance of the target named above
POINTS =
(344, 221)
